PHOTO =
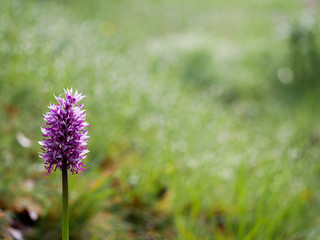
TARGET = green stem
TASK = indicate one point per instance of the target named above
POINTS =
(65, 207)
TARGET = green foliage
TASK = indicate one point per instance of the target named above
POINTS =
(187, 138)
(299, 79)
(305, 58)
(197, 69)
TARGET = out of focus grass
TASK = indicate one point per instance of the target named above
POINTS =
(204, 118)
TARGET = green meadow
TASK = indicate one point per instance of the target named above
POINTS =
(204, 118)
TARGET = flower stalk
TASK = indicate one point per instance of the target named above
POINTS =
(65, 203)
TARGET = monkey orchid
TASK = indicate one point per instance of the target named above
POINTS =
(65, 143)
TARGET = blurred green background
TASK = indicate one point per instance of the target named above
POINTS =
(204, 118)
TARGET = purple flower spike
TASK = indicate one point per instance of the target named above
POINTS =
(65, 139)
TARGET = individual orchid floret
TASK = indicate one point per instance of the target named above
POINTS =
(65, 136)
